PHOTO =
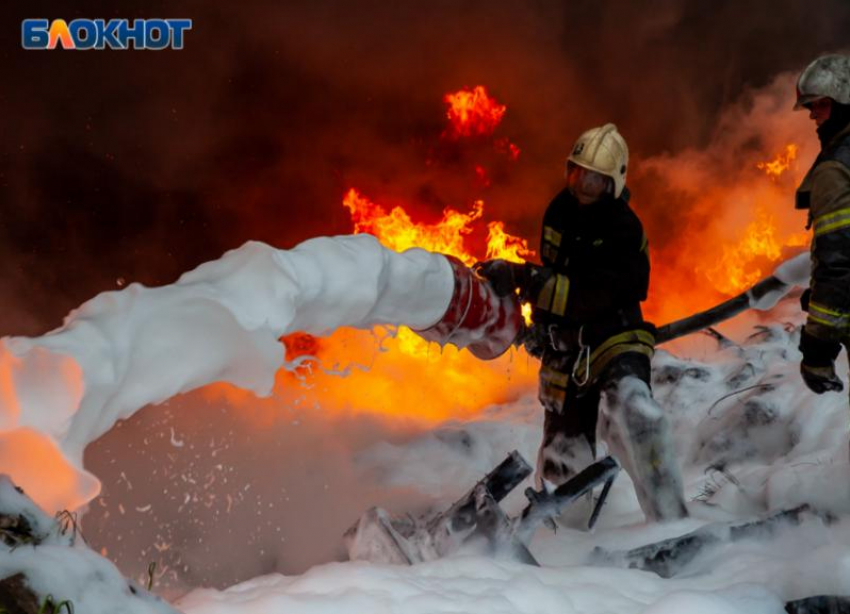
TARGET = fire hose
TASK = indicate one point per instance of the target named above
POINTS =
(793, 273)
(488, 324)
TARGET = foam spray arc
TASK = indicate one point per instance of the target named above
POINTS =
(220, 322)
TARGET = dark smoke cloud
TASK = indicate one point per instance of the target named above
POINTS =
(136, 166)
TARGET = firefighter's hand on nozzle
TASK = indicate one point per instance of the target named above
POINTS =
(535, 279)
(818, 364)
(500, 274)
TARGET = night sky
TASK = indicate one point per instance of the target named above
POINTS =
(136, 166)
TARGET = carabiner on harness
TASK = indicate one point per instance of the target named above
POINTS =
(583, 353)
(552, 332)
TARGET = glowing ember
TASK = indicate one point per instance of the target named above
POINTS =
(302, 350)
(473, 112)
(300, 344)
(504, 146)
(482, 177)
(782, 163)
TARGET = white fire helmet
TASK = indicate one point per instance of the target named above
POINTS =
(826, 77)
(603, 150)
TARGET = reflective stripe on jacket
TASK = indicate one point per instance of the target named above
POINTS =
(826, 192)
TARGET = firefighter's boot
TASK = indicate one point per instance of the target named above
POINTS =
(638, 435)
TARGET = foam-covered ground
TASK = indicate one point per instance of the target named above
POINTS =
(751, 440)
(750, 437)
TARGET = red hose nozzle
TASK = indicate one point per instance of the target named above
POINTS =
(476, 318)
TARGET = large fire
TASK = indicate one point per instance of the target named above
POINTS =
(396, 372)
(735, 218)
(397, 231)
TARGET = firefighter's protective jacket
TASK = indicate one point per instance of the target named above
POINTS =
(599, 256)
(826, 192)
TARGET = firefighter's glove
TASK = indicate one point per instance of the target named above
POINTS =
(821, 379)
(502, 275)
(804, 299)
(818, 365)
(535, 277)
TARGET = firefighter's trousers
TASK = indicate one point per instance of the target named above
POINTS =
(619, 404)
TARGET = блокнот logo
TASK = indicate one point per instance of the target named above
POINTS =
(85, 34)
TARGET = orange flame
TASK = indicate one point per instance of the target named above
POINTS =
(735, 223)
(783, 162)
(744, 263)
(397, 231)
(741, 265)
(507, 247)
(473, 112)
(526, 314)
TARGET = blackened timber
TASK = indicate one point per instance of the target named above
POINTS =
(822, 604)
(498, 483)
(497, 529)
(668, 557)
(543, 506)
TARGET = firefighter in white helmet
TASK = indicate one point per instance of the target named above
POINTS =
(589, 332)
(823, 89)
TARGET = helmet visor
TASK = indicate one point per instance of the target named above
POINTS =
(586, 185)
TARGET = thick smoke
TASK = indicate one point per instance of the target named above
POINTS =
(701, 203)
(137, 166)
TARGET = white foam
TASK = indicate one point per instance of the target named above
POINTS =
(218, 323)
(795, 271)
